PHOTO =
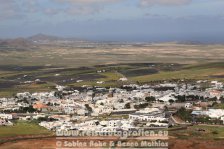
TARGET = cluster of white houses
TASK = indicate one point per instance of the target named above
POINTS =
(124, 107)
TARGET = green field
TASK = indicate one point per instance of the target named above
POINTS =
(193, 132)
(22, 128)
(191, 73)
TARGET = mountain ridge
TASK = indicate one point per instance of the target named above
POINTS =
(51, 38)
(35, 40)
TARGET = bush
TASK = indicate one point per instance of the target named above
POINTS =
(150, 99)
(184, 114)
(127, 106)
(141, 106)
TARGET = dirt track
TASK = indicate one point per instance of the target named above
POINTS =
(173, 144)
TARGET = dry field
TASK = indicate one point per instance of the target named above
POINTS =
(133, 61)
(89, 55)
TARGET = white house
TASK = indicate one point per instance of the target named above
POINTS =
(5, 116)
(82, 112)
(123, 79)
(188, 105)
(114, 123)
(157, 124)
(4, 122)
(215, 113)
(69, 110)
(168, 97)
(153, 116)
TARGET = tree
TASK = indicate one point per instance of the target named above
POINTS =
(184, 114)
(88, 108)
(214, 104)
(127, 106)
(141, 106)
(150, 99)
(161, 101)
(222, 99)
(121, 100)
(97, 122)
(215, 132)
(212, 99)
(29, 109)
(171, 101)
(56, 104)
(49, 104)
(180, 98)
(40, 119)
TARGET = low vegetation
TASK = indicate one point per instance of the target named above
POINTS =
(13, 81)
(199, 132)
(21, 128)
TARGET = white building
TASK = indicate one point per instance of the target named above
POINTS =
(153, 116)
(82, 112)
(215, 113)
(123, 79)
(188, 105)
(5, 116)
(4, 122)
(168, 97)
(114, 123)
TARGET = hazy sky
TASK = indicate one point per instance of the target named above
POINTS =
(131, 20)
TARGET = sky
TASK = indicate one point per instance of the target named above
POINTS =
(115, 20)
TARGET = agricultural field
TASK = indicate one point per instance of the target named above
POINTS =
(22, 128)
(90, 54)
(16, 78)
(197, 136)
(65, 64)
(203, 132)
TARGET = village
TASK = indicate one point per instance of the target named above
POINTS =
(130, 107)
